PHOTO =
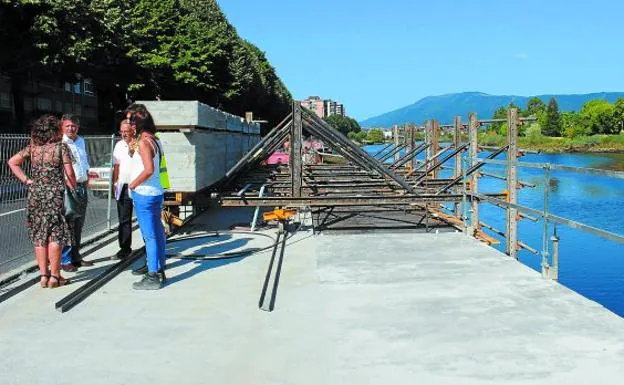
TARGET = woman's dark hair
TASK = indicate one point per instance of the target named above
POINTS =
(141, 117)
(45, 130)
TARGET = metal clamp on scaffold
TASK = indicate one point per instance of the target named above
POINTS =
(271, 281)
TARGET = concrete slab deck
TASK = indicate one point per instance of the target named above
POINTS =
(351, 309)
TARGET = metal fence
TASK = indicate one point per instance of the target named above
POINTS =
(16, 250)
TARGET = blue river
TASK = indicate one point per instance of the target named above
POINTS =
(588, 264)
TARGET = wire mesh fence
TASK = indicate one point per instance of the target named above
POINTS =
(16, 248)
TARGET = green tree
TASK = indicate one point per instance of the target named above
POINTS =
(375, 136)
(535, 106)
(360, 136)
(552, 119)
(597, 117)
(618, 115)
(49, 40)
(170, 49)
(500, 113)
(572, 125)
(343, 124)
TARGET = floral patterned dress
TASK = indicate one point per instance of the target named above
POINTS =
(45, 220)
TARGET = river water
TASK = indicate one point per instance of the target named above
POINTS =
(589, 265)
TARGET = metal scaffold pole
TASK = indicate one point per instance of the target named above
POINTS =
(457, 125)
(473, 129)
(512, 183)
(296, 160)
(435, 144)
(395, 132)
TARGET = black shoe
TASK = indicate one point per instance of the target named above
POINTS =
(70, 268)
(122, 254)
(140, 271)
(163, 277)
(84, 263)
(150, 281)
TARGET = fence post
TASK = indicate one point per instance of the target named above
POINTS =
(428, 152)
(409, 136)
(512, 182)
(464, 205)
(473, 128)
(457, 126)
(395, 132)
(110, 185)
(554, 270)
(296, 162)
(545, 266)
(435, 144)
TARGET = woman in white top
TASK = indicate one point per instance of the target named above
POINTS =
(147, 195)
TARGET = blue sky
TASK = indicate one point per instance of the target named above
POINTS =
(376, 56)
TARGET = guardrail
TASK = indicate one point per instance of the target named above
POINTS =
(550, 260)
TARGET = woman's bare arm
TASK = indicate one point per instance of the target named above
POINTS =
(70, 177)
(15, 164)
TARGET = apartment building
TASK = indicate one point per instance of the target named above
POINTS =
(323, 107)
(56, 97)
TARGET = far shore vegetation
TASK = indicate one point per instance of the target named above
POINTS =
(597, 127)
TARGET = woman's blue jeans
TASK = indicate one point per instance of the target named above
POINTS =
(148, 210)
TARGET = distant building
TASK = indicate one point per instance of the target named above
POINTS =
(55, 97)
(323, 107)
(340, 110)
(315, 104)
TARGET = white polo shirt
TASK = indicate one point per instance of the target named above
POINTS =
(81, 162)
(122, 158)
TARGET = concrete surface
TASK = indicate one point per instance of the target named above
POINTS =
(351, 309)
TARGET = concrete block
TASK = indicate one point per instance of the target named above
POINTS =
(199, 158)
(234, 123)
(173, 113)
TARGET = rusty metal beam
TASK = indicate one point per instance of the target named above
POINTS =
(435, 145)
(337, 200)
(473, 129)
(472, 169)
(512, 183)
(457, 125)
(410, 155)
(370, 161)
(296, 154)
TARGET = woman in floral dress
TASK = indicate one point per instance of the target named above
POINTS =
(51, 170)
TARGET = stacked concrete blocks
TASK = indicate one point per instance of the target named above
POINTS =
(200, 142)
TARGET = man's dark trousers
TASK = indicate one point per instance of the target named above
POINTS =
(124, 213)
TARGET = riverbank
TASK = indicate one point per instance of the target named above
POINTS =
(547, 144)
(554, 145)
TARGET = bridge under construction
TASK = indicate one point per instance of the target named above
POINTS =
(373, 270)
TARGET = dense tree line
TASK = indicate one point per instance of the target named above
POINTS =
(343, 123)
(595, 117)
(166, 49)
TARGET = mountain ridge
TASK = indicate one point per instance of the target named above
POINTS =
(445, 107)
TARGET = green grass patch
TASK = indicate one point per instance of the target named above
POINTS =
(593, 143)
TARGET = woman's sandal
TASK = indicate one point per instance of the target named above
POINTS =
(45, 278)
(60, 281)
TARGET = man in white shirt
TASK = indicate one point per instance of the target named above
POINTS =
(70, 124)
(121, 178)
